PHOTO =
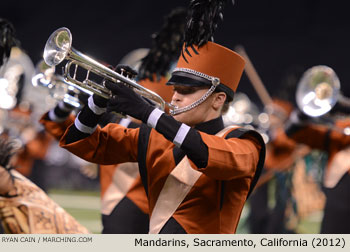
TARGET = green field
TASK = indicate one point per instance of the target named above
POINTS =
(84, 206)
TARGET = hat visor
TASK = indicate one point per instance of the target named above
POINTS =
(196, 81)
(184, 79)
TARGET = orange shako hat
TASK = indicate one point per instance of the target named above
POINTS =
(203, 62)
(212, 61)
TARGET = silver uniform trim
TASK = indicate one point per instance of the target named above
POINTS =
(154, 117)
(125, 122)
(96, 109)
(83, 128)
(181, 134)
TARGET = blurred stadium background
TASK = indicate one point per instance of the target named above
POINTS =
(278, 36)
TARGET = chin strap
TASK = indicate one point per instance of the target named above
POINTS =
(177, 111)
(214, 81)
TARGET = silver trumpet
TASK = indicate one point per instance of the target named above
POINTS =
(59, 47)
(59, 89)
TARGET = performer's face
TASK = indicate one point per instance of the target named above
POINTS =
(183, 96)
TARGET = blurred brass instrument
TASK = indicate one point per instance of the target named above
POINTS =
(59, 48)
(318, 91)
(59, 88)
(17, 67)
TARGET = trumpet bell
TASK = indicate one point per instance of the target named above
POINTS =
(57, 46)
(318, 91)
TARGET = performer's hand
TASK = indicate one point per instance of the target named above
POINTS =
(126, 101)
(100, 101)
(122, 69)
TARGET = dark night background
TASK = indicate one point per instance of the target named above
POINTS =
(280, 37)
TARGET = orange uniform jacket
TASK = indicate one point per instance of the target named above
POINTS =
(110, 194)
(280, 155)
(279, 152)
(210, 206)
(34, 149)
(334, 142)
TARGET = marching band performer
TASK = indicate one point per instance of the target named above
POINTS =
(35, 144)
(336, 181)
(197, 175)
(124, 204)
(24, 207)
(18, 122)
(281, 155)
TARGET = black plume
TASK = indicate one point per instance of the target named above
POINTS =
(7, 150)
(202, 21)
(166, 48)
(7, 39)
